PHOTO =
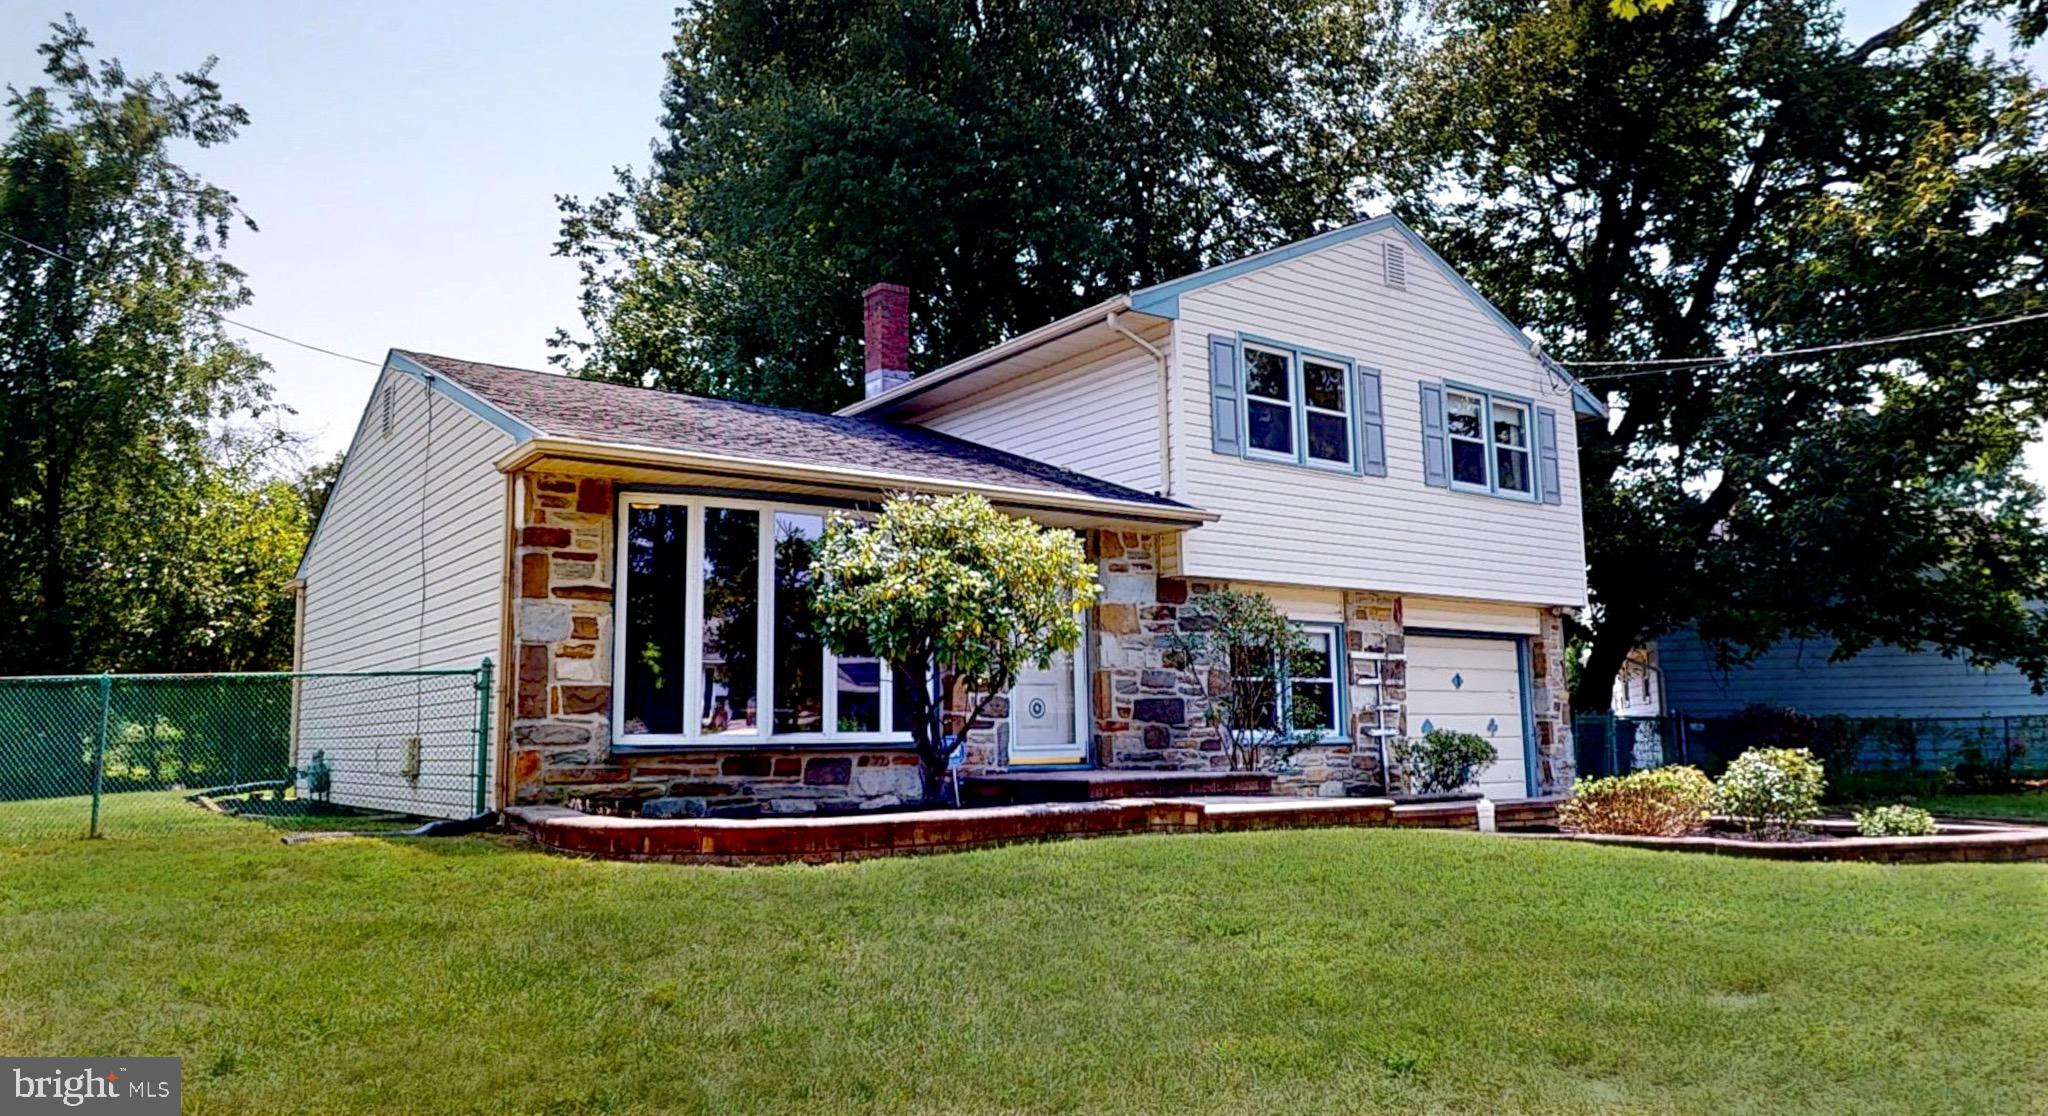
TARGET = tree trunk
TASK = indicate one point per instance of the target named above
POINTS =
(1613, 641)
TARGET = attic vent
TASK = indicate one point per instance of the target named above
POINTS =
(1397, 266)
(389, 413)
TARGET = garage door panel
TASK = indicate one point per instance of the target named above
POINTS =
(1486, 700)
(1453, 703)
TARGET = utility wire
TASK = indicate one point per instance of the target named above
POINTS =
(56, 255)
(1658, 365)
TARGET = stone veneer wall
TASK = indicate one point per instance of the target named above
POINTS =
(1556, 763)
(561, 719)
(1148, 716)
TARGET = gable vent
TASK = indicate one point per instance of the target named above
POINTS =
(1397, 266)
(390, 397)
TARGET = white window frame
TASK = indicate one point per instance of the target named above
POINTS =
(1283, 696)
(693, 637)
(1485, 441)
(1298, 407)
(1335, 664)
(1292, 406)
(693, 736)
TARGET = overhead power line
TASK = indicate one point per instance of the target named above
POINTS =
(1658, 365)
(56, 255)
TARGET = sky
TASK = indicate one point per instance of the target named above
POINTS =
(402, 162)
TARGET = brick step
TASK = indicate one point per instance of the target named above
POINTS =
(1024, 787)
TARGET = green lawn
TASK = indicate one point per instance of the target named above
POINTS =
(2024, 806)
(1317, 971)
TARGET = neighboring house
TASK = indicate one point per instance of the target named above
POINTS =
(1882, 681)
(1639, 685)
(1342, 424)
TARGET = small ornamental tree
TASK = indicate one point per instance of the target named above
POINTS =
(1240, 649)
(950, 581)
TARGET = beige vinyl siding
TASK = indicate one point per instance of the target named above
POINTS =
(1096, 414)
(408, 502)
(1293, 525)
(1469, 616)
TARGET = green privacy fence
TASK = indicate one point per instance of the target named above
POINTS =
(100, 755)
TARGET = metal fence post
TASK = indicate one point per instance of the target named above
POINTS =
(483, 731)
(99, 752)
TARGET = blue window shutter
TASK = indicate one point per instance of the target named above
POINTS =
(1546, 456)
(1436, 441)
(1225, 396)
(1372, 424)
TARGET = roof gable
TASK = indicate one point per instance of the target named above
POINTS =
(1163, 299)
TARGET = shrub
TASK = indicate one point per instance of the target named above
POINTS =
(1771, 788)
(1895, 821)
(1659, 802)
(1443, 761)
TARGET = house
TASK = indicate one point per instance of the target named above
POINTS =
(1881, 681)
(1342, 424)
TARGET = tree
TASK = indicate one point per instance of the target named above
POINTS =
(949, 581)
(1242, 650)
(1714, 178)
(114, 364)
(1010, 162)
(315, 483)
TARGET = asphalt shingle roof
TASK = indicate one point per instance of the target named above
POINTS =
(616, 414)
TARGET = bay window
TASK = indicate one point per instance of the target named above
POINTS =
(717, 633)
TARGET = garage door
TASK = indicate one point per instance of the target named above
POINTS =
(1472, 685)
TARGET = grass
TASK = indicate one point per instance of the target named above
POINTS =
(1306, 971)
(2023, 805)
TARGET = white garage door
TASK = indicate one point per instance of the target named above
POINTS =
(1472, 685)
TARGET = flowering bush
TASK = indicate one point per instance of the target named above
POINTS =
(1660, 802)
(1895, 821)
(1443, 761)
(1771, 788)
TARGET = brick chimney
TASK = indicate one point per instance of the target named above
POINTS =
(887, 308)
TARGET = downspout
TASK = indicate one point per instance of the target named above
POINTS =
(1165, 403)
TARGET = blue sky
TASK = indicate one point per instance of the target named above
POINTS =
(402, 161)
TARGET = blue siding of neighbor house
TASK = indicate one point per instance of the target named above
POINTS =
(1880, 682)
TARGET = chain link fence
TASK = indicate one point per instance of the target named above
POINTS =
(1971, 750)
(121, 755)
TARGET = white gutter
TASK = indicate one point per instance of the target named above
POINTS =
(525, 453)
(1023, 342)
(1165, 404)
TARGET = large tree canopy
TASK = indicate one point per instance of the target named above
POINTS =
(136, 527)
(1738, 176)
(1009, 161)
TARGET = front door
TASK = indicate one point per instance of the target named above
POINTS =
(1046, 721)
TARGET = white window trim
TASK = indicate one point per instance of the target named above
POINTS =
(1336, 662)
(1486, 444)
(693, 735)
(1293, 406)
(1347, 374)
(1527, 449)
(1298, 407)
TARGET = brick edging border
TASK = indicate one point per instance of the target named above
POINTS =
(748, 841)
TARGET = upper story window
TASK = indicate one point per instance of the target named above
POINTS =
(1298, 406)
(1491, 450)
